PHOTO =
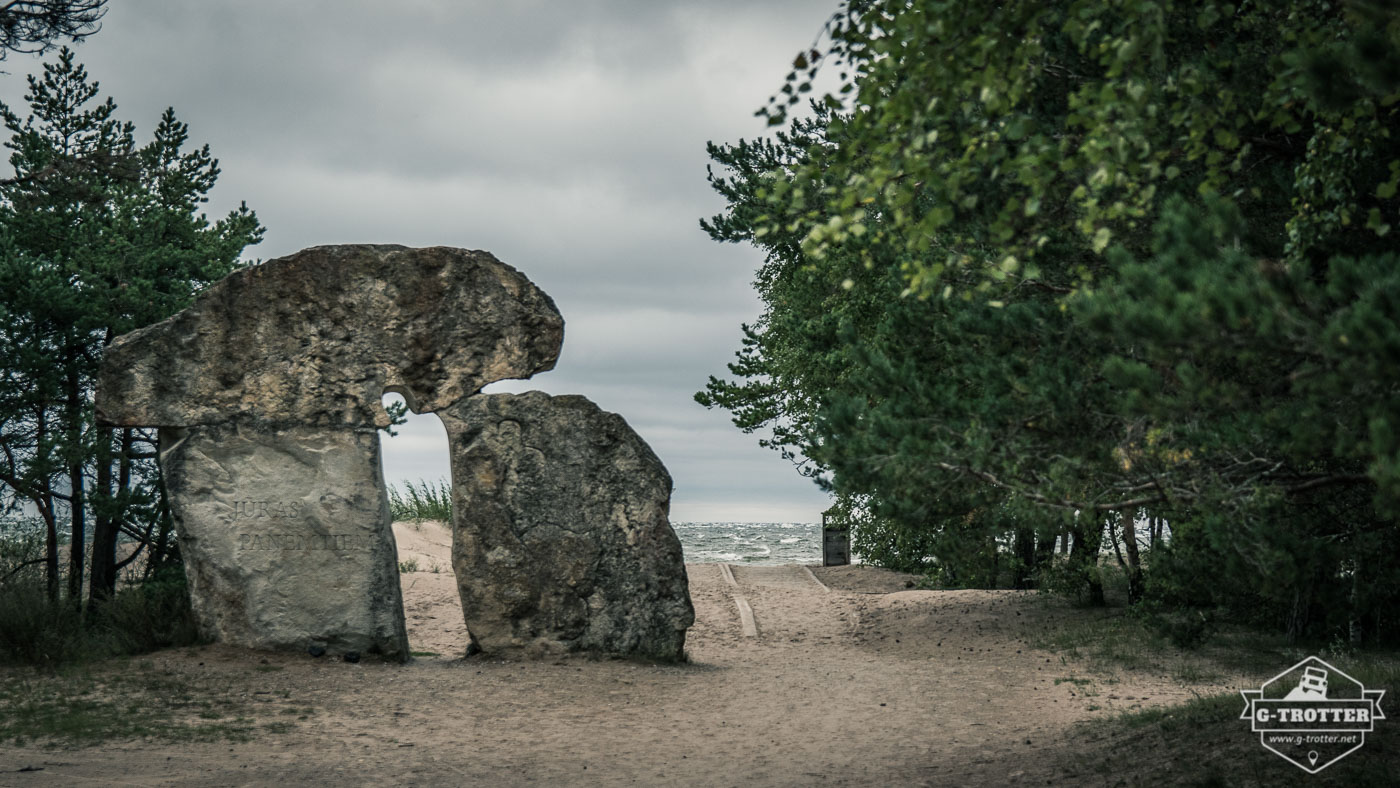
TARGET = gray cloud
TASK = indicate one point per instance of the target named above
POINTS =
(565, 137)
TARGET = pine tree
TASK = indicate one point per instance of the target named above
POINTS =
(99, 237)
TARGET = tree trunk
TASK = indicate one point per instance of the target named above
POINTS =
(1299, 613)
(46, 511)
(1044, 553)
(1025, 557)
(51, 573)
(1130, 546)
(1354, 635)
(994, 574)
(161, 549)
(1113, 540)
(1084, 554)
(73, 442)
(103, 579)
(77, 547)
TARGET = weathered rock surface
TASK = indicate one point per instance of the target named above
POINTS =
(560, 537)
(285, 537)
(316, 338)
(271, 386)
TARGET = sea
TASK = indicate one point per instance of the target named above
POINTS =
(711, 543)
(750, 543)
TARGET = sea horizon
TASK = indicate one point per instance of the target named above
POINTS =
(750, 543)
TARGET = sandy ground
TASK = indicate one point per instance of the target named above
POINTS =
(851, 680)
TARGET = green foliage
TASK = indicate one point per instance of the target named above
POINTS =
(98, 236)
(1068, 578)
(33, 26)
(21, 549)
(422, 501)
(1035, 265)
(978, 134)
(35, 630)
(884, 543)
(397, 411)
(151, 615)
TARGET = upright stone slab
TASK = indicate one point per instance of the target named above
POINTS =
(284, 539)
(561, 540)
(268, 389)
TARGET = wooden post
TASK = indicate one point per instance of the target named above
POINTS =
(836, 542)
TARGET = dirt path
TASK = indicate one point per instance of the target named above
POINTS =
(790, 605)
(864, 684)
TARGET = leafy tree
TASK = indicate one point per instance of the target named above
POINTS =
(99, 237)
(1038, 267)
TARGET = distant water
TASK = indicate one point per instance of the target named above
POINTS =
(706, 543)
(751, 543)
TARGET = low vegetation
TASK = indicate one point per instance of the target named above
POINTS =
(150, 612)
(424, 500)
(1202, 742)
(131, 701)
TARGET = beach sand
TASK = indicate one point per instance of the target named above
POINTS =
(851, 679)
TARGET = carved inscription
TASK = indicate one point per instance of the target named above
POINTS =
(273, 510)
(243, 511)
(284, 542)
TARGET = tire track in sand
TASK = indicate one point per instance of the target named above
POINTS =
(771, 590)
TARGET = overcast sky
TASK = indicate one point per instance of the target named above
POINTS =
(567, 138)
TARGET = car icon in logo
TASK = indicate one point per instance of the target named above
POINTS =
(1312, 714)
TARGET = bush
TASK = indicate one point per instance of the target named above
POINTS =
(1066, 577)
(36, 630)
(424, 501)
(21, 550)
(153, 615)
(881, 542)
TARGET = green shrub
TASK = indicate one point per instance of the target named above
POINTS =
(1073, 579)
(423, 501)
(881, 542)
(36, 630)
(153, 615)
(21, 550)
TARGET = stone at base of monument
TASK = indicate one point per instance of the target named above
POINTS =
(561, 540)
(285, 537)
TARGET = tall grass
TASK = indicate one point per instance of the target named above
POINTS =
(37, 630)
(422, 501)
